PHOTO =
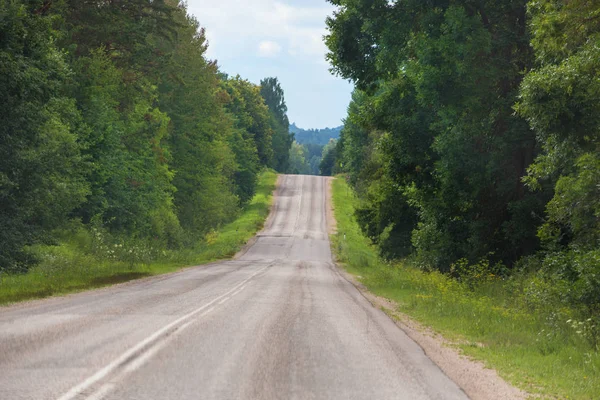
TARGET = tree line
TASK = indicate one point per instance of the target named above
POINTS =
(113, 117)
(315, 136)
(473, 136)
(313, 150)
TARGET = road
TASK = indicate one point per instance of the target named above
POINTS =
(278, 322)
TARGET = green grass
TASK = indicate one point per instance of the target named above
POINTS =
(530, 349)
(67, 268)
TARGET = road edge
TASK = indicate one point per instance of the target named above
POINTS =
(146, 279)
(268, 221)
(472, 376)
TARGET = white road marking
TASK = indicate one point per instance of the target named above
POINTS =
(138, 362)
(131, 353)
(238, 291)
(103, 391)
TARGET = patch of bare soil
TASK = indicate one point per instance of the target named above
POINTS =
(478, 382)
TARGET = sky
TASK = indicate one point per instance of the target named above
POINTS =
(280, 38)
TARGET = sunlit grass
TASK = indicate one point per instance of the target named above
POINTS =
(66, 268)
(487, 322)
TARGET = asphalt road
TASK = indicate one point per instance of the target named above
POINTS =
(279, 322)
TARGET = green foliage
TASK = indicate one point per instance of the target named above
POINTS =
(315, 136)
(253, 132)
(446, 172)
(309, 148)
(327, 164)
(314, 153)
(304, 158)
(281, 142)
(559, 98)
(297, 161)
(130, 178)
(252, 116)
(41, 166)
(92, 256)
(432, 120)
(114, 117)
(574, 211)
(526, 326)
(200, 131)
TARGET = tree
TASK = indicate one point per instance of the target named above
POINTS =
(125, 144)
(252, 116)
(327, 164)
(559, 99)
(298, 162)
(200, 129)
(40, 165)
(271, 91)
(438, 82)
(252, 123)
(114, 117)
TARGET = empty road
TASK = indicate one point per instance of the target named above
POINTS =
(278, 322)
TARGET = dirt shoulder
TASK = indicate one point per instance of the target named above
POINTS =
(478, 382)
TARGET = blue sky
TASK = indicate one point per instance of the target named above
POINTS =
(281, 38)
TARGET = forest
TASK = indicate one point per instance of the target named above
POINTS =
(117, 130)
(316, 136)
(313, 150)
(472, 143)
(311, 158)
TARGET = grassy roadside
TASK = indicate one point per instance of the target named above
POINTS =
(487, 322)
(66, 268)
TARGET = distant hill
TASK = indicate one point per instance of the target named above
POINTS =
(315, 136)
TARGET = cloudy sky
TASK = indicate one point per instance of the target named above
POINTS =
(281, 38)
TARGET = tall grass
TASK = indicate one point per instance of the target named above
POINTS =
(498, 321)
(87, 259)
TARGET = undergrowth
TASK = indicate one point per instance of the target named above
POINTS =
(90, 258)
(513, 324)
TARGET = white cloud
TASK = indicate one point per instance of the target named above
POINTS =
(268, 48)
(282, 38)
(298, 28)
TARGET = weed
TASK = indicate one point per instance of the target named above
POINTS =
(87, 259)
(522, 326)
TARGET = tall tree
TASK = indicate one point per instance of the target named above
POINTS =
(40, 165)
(114, 116)
(440, 81)
(561, 100)
(253, 139)
(130, 178)
(327, 164)
(203, 161)
(271, 91)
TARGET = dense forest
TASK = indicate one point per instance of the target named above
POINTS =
(473, 139)
(313, 150)
(315, 136)
(115, 123)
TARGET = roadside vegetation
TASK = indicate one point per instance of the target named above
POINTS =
(510, 323)
(90, 258)
(122, 144)
(313, 150)
(472, 143)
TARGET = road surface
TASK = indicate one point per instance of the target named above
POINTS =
(278, 322)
